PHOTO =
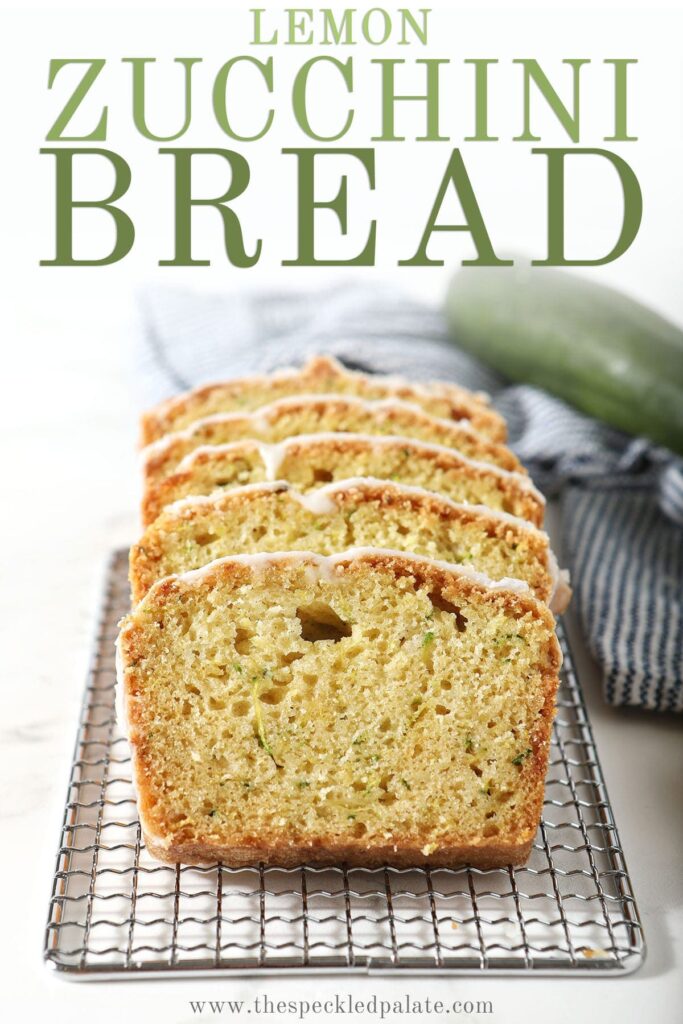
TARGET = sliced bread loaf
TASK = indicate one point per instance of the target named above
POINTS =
(371, 708)
(315, 414)
(310, 461)
(364, 512)
(321, 375)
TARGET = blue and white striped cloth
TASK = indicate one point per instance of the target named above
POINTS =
(621, 499)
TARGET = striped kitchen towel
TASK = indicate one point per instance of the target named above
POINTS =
(621, 498)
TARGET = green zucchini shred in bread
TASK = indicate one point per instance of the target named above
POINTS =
(315, 414)
(321, 375)
(405, 760)
(352, 513)
(309, 461)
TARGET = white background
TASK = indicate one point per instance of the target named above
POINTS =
(68, 415)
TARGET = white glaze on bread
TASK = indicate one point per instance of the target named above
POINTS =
(321, 502)
(273, 455)
(324, 566)
(261, 418)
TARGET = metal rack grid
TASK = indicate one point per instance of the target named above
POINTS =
(116, 912)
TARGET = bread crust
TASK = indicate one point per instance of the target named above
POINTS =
(514, 486)
(160, 458)
(320, 375)
(148, 552)
(286, 848)
(246, 851)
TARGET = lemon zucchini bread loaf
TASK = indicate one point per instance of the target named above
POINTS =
(370, 708)
(321, 375)
(315, 414)
(310, 461)
(364, 512)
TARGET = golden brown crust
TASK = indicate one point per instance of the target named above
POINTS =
(388, 494)
(287, 853)
(146, 555)
(451, 579)
(162, 457)
(320, 374)
(528, 503)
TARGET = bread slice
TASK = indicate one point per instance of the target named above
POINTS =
(315, 414)
(371, 708)
(364, 512)
(311, 460)
(321, 375)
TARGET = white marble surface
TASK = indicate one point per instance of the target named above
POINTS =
(68, 497)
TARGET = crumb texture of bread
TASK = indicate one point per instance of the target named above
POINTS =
(315, 414)
(321, 375)
(363, 513)
(371, 707)
(311, 461)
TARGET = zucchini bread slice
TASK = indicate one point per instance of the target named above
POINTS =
(369, 708)
(362, 512)
(308, 461)
(321, 375)
(315, 414)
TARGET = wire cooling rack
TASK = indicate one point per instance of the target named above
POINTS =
(116, 911)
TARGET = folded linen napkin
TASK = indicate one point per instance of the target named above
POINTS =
(621, 498)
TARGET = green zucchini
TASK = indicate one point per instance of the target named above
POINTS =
(604, 353)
